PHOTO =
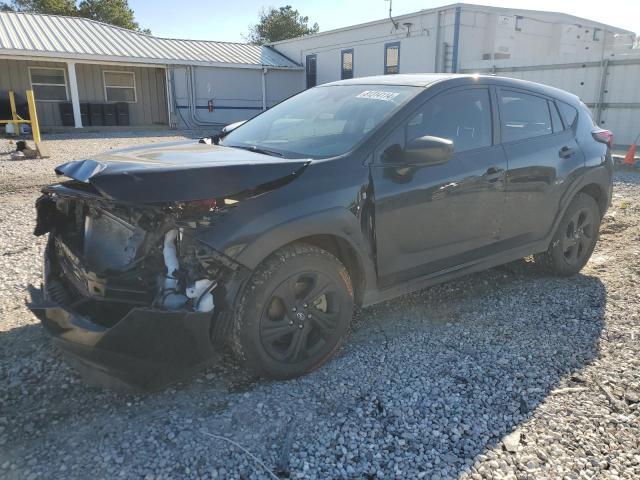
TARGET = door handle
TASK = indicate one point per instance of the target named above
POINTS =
(566, 152)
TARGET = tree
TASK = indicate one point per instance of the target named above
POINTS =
(279, 24)
(53, 7)
(113, 12)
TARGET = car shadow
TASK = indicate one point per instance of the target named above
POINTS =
(476, 357)
(440, 375)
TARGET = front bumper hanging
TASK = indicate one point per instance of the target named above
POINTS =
(146, 349)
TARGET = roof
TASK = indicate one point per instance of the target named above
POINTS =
(81, 38)
(409, 79)
(557, 17)
(456, 79)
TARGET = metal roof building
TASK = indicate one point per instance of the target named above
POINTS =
(53, 36)
(85, 72)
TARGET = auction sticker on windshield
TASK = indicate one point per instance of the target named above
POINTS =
(378, 95)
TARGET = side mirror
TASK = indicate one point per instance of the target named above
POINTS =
(428, 150)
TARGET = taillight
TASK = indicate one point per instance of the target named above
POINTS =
(603, 136)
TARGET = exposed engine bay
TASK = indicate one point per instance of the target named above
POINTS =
(115, 256)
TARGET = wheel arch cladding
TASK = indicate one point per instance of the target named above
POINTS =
(596, 191)
(346, 253)
(336, 230)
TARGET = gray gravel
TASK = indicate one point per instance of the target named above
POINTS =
(503, 374)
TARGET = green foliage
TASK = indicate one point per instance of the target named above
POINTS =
(113, 12)
(279, 24)
(54, 7)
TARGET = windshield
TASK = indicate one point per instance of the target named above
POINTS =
(321, 122)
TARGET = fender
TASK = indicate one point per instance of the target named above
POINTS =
(338, 222)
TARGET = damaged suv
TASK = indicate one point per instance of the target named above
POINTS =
(264, 238)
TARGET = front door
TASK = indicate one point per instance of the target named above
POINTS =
(435, 217)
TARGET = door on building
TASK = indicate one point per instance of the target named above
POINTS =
(431, 218)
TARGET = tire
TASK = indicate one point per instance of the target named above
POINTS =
(293, 313)
(574, 240)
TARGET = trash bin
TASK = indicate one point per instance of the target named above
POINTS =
(66, 114)
(21, 105)
(84, 114)
(109, 114)
(95, 113)
(122, 110)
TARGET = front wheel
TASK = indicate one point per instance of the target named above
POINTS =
(575, 238)
(293, 313)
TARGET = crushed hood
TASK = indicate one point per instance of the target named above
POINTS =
(179, 172)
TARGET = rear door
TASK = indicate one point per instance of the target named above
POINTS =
(434, 217)
(543, 157)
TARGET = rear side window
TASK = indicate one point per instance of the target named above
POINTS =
(523, 116)
(569, 114)
(555, 118)
(463, 117)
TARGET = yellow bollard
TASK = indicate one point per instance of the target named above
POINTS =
(14, 114)
(35, 127)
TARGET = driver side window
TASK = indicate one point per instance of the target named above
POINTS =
(463, 117)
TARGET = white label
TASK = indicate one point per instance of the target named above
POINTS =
(378, 95)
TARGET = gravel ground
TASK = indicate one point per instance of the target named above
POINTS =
(502, 374)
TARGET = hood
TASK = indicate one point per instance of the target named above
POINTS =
(179, 172)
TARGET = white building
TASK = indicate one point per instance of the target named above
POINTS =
(595, 61)
(450, 38)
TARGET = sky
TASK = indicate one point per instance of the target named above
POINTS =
(228, 20)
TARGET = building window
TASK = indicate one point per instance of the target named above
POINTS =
(119, 86)
(519, 21)
(49, 84)
(597, 34)
(312, 71)
(392, 58)
(347, 64)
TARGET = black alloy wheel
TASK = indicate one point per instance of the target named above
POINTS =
(578, 236)
(301, 317)
(575, 238)
(293, 313)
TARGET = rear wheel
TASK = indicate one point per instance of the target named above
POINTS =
(293, 313)
(575, 238)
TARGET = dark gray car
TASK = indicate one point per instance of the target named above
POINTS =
(264, 239)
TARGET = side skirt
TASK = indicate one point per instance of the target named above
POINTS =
(380, 295)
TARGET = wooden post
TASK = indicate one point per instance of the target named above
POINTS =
(14, 114)
(35, 126)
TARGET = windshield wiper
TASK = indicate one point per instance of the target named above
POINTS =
(256, 149)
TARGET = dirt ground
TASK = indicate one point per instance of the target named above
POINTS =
(503, 374)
